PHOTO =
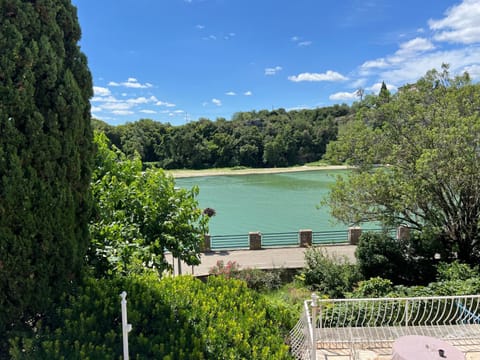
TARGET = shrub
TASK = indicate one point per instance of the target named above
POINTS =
(373, 287)
(456, 271)
(256, 279)
(172, 318)
(330, 275)
(378, 255)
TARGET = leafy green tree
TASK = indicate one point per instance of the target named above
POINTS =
(139, 215)
(430, 142)
(45, 156)
(379, 255)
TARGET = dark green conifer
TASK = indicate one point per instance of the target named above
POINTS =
(45, 156)
(384, 94)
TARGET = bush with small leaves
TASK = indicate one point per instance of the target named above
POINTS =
(172, 318)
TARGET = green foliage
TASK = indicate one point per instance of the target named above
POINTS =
(379, 255)
(45, 157)
(330, 275)
(139, 215)
(174, 318)
(456, 271)
(256, 279)
(374, 287)
(253, 139)
(428, 134)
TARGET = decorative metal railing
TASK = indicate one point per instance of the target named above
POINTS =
(282, 239)
(330, 237)
(377, 322)
(301, 336)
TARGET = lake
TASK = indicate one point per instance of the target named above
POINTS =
(268, 203)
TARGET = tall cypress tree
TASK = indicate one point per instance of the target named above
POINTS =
(45, 156)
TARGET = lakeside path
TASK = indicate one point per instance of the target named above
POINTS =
(250, 171)
(271, 258)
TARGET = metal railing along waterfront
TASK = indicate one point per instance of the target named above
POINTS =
(229, 242)
(330, 237)
(280, 239)
(286, 239)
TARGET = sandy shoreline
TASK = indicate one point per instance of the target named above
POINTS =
(250, 171)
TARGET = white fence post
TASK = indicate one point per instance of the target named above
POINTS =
(313, 354)
(126, 328)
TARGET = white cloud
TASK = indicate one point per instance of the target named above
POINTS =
(101, 91)
(131, 83)
(473, 71)
(273, 70)
(109, 98)
(165, 103)
(304, 43)
(300, 42)
(122, 112)
(344, 96)
(139, 100)
(328, 76)
(217, 102)
(378, 63)
(230, 93)
(120, 106)
(248, 93)
(359, 83)
(414, 46)
(460, 24)
(200, 27)
(412, 69)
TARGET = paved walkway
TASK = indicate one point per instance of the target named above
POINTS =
(292, 257)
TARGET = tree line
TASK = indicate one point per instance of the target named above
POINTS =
(253, 139)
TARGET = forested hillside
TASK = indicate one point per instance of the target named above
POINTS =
(254, 139)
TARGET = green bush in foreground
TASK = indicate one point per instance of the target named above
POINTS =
(172, 318)
(330, 275)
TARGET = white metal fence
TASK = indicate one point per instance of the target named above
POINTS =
(376, 322)
(301, 337)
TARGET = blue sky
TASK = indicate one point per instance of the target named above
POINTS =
(180, 60)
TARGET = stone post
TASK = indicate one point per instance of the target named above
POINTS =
(255, 239)
(207, 243)
(354, 234)
(306, 237)
(403, 232)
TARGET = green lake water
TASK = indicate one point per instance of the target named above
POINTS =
(268, 203)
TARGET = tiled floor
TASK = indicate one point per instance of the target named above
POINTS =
(472, 352)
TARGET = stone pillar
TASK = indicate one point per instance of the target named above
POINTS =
(207, 243)
(255, 239)
(354, 234)
(306, 237)
(403, 232)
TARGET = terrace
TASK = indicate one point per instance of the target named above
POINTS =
(351, 329)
